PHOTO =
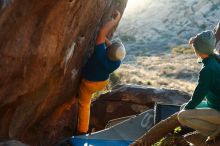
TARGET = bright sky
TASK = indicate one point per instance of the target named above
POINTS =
(134, 5)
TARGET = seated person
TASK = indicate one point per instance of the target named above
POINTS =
(105, 59)
(204, 120)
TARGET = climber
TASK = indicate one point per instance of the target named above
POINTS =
(106, 58)
(217, 35)
(206, 119)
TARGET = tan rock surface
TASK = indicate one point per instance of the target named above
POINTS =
(43, 47)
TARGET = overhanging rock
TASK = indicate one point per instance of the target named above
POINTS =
(43, 47)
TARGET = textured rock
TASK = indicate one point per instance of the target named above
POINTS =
(43, 46)
(128, 100)
(12, 143)
(176, 22)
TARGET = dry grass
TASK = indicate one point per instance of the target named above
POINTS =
(175, 71)
(182, 49)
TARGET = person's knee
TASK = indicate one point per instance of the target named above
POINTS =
(182, 117)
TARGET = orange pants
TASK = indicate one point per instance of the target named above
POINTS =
(86, 90)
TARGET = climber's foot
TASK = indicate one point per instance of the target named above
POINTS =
(80, 133)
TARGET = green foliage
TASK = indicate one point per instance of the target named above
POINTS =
(149, 83)
(127, 38)
(177, 130)
(203, 26)
(159, 143)
(97, 94)
(114, 79)
(170, 139)
(182, 50)
(214, 7)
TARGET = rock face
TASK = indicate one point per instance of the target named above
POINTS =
(158, 25)
(43, 47)
(12, 143)
(126, 100)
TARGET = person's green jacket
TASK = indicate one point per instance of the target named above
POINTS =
(208, 85)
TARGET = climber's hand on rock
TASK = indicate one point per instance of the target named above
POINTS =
(107, 42)
(191, 41)
(107, 28)
(116, 16)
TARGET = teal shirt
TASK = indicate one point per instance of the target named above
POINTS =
(208, 85)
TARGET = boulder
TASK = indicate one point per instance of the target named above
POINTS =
(12, 143)
(126, 100)
(43, 47)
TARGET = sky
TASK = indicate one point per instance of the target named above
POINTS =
(134, 5)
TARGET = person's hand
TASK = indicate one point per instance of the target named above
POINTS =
(116, 16)
(107, 28)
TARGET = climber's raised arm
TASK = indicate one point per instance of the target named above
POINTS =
(106, 58)
(107, 28)
(107, 42)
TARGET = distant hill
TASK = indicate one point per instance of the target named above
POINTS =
(156, 25)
